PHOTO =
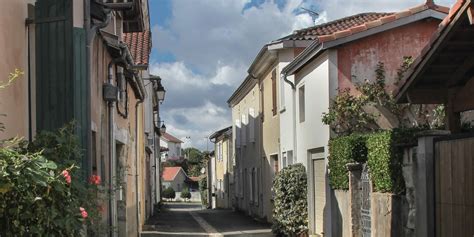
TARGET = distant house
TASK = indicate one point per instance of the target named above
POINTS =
(171, 147)
(223, 167)
(177, 178)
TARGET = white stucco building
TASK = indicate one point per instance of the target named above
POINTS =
(171, 147)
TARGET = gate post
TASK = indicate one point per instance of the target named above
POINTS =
(425, 183)
(355, 198)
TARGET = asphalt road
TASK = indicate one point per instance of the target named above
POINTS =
(178, 219)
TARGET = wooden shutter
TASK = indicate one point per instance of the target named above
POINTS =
(274, 93)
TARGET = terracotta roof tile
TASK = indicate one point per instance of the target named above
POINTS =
(331, 27)
(169, 173)
(139, 44)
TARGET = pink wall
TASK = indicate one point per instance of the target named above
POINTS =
(359, 58)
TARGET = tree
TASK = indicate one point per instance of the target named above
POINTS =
(360, 110)
(11, 78)
(169, 193)
(185, 194)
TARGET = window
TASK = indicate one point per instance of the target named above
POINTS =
(301, 103)
(282, 93)
(283, 160)
(237, 133)
(94, 154)
(251, 184)
(274, 93)
(251, 125)
(275, 165)
(289, 157)
(244, 130)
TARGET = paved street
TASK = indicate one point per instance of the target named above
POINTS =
(178, 219)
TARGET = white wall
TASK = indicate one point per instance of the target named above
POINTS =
(286, 106)
(312, 133)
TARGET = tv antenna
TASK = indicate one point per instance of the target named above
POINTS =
(311, 12)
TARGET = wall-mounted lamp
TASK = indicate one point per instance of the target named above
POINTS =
(163, 128)
(160, 90)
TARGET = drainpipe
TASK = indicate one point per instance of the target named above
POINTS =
(112, 155)
(137, 153)
(295, 137)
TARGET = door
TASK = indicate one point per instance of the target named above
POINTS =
(318, 197)
(454, 182)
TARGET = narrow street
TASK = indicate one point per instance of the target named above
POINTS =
(189, 219)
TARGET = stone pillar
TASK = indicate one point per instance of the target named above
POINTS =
(355, 171)
(424, 184)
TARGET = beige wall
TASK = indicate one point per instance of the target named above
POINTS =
(271, 136)
(223, 172)
(14, 50)
(248, 155)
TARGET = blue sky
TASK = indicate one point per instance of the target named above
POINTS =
(202, 49)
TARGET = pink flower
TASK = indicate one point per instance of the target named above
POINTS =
(66, 175)
(95, 179)
(83, 212)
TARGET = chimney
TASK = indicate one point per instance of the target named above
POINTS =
(430, 3)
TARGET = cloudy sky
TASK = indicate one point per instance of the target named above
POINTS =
(202, 49)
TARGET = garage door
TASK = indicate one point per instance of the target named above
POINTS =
(319, 191)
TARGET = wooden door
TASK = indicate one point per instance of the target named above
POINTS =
(319, 189)
(454, 187)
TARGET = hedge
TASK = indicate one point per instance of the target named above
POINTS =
(290, 212)
(345, 150)
(385, 158)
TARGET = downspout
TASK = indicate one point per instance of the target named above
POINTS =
(137, 153)
(295, 137)
(112, 151)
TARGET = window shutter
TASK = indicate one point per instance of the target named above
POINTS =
(252, 118)
(257, 184)
(274, 93)
(243, 134)
(238, 132)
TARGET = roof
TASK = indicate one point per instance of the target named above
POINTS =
(227, 130)
(359, 26)
(139, 44)
(331, 27)
(169, 173)
(171, 138)
(445, 62)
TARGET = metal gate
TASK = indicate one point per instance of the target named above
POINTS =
(365, 207)
(454, 186)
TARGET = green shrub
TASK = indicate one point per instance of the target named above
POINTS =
(290, 212)
(185, 194)
(203, 190)
(385, 158)
(169, 193)
(43, 195)
(344, 150)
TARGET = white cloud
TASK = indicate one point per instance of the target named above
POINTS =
(335, 9)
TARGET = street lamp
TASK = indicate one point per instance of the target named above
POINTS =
(163, 128)
(160, 90)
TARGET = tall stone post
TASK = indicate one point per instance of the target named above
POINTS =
(355, 189)
(425, 183)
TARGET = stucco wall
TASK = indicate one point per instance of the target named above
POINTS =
(271, 136)
(14, 49)
(248, 156)
(360, 57)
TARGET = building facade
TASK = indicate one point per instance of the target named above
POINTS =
(85, 62)
(223, 187)
(172, 147)
(338, 61)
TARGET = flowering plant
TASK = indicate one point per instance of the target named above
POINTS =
(43, 191)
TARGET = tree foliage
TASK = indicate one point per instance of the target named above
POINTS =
(168, 193)
(11, 78)
(185, 194)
